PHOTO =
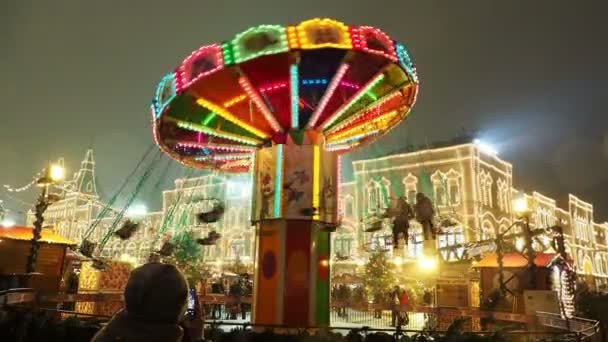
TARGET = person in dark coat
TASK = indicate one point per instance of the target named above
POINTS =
(156, 298)
(402, 213)
(424, 215)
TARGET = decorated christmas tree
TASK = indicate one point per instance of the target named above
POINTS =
(378, 274)
(187, 255)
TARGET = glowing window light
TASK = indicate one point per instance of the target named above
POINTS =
(295, 96)
(257, 100)
(323, 33)
(381, 122)
(361, 34)
(267, 39)
(235, 100)
(224, 135)
(316, 180)
(354, 137)
(218, 147)
(228, 116)
(165, 93)
(354, 100)
(212, 57)
(328, 94)
(278, 182)
(372, 109)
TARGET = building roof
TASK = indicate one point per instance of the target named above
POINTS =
(515, 260)
(26, 234)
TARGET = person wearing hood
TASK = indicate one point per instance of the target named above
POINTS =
(156, 298)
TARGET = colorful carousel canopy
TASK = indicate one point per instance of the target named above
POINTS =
(320, 80)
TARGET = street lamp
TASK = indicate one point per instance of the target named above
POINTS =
(53, 174)
(522, 209)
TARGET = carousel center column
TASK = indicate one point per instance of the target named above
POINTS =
(294, 198)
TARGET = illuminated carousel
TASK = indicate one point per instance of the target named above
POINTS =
(283, 102)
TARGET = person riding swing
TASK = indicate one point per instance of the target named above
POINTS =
(401, 213)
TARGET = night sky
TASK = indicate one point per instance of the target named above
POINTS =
(531, 76)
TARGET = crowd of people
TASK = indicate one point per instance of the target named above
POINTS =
(236, 291)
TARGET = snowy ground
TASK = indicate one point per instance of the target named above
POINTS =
(353, 319)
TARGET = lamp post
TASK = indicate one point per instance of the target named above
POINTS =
(52, 174)
(522, 209)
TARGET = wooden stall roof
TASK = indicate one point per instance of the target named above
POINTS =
(26, 234)
(514, 260)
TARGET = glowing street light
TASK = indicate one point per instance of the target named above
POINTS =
(427, 263)
(137, 211)
(485, 147)
(7, 223)
(520, 205)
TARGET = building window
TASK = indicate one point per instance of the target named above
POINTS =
(503, 195)
(485, 187)
(453, 182)
(487, 230)
(410, 184)
(349, 206)
(343, 245)
(416, 244)
(440, 192)
(452, 236)
(377, 195)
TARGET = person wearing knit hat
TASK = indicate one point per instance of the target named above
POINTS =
(155, 303)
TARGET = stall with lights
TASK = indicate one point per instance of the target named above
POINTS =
(283, 102)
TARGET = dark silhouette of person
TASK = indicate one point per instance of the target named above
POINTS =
(402, 213)
(217, 288)
(424, 215)
(156, 298)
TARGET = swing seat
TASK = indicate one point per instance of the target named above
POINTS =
(166, 249)
(87, 248)
(213, 215)
(127, 230)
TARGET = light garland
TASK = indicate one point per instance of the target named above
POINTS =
(224, 135)
(160, 103)
(235, 100)
(295, 96)
(25, 187)
(381, 122)
(316, 180)
(257, 100)
(328, 94)
(365, 113)
(184, 79)
(354, 137)
(406, 61)
(227, 157)
(323, 33)
(230, 117)
(218, 147)
(292, 37)
(278, 181)
(361, 35)
(273, 87)
(377, 79)
(258, 41)
(227, 53)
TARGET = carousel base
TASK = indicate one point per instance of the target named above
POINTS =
(292, 274)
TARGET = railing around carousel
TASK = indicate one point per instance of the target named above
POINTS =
(343, 315)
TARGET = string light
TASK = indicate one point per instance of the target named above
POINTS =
(406, 61)
(230, 117)
(354, 137)
(218, 147)
(224, 135)
(392, 99)
(211, 60)
(381, 122)
(351, 85)
(235, 100)
(314, 81)
(328, 94)
(223, 157)
(278, 181)
(354, 99)
(292, 37)
(273, 87)
(161, 101)
(363, 34)
(323, 33)
(258, 41)
(316, 180)
(227, 53)
(257, 100)
(295, 96)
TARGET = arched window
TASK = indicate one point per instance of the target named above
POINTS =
(378, 193)
(343, 244)
(416, 244)
(410, 184)
(485, 187)
(348, 206)
(452, 236)
(599, 264)
(487, 230)
(439, 187)
(503, 195)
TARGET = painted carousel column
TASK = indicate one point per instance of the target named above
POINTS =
(294, 198)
